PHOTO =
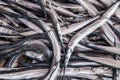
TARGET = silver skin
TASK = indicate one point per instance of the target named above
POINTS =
(88, 30)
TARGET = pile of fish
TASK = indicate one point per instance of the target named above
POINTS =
(59, 39)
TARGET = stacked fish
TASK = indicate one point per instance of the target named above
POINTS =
(59, 39)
